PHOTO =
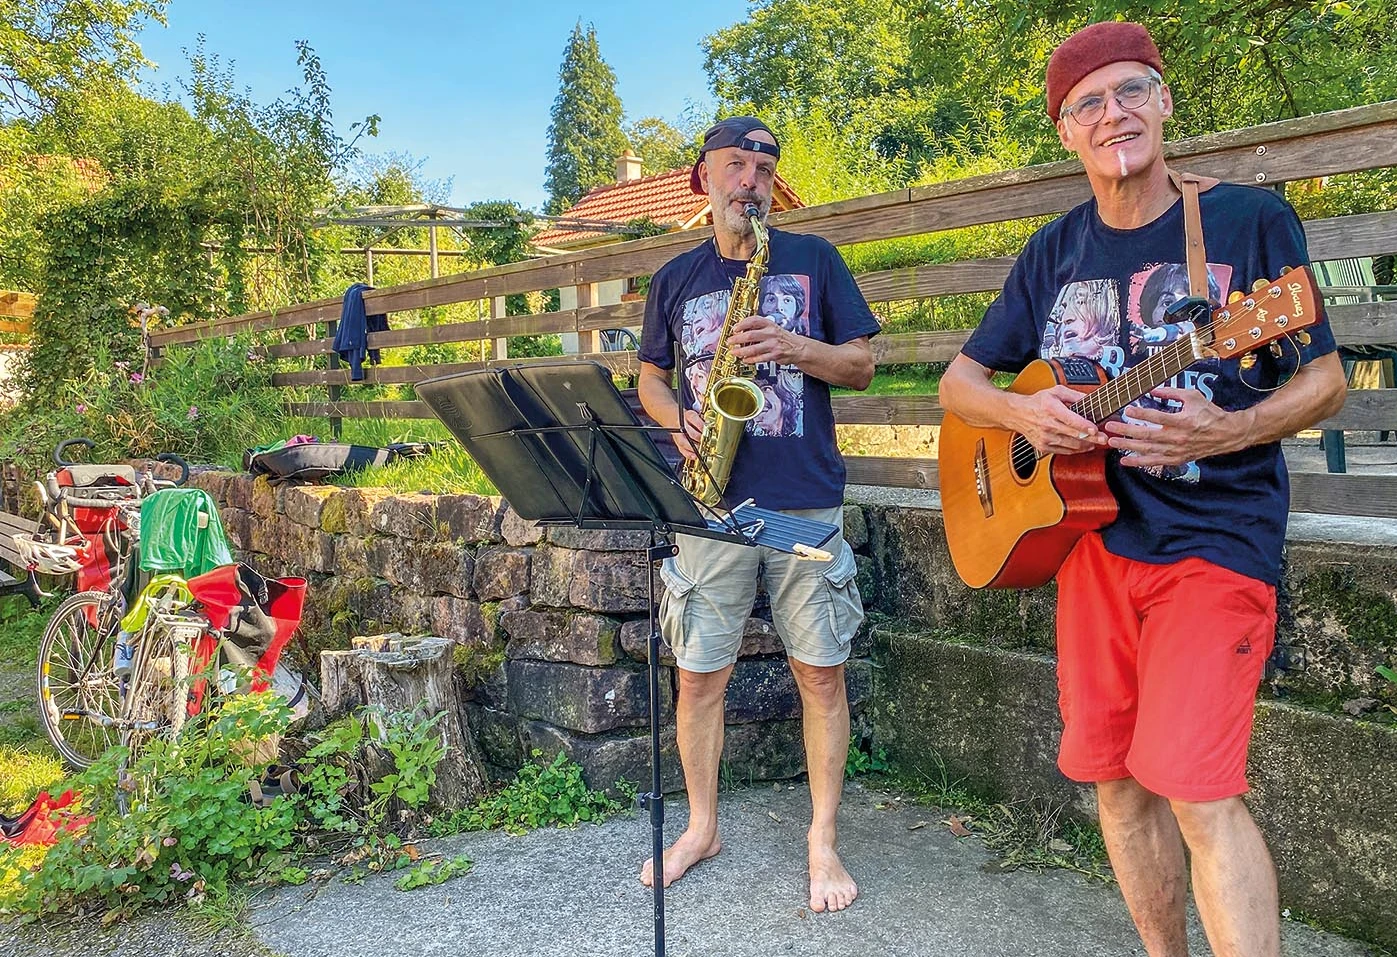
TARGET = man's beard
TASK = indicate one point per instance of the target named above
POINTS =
(733, 216)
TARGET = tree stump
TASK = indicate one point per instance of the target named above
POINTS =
(390, 674)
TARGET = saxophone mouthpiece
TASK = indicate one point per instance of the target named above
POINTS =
(751, 210)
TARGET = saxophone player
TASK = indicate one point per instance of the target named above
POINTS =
(787, 462)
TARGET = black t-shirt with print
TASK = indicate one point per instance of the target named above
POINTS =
(788, 458)
(1082, 288)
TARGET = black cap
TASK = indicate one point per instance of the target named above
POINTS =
(732, 132)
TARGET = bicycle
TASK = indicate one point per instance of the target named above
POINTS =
(123, 664)
(90, 529)
(223, 631)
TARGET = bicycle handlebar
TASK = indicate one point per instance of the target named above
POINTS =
(62, 447)
(174, 459)
(60, 458)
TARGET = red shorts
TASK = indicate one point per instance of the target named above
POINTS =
(1158, 667)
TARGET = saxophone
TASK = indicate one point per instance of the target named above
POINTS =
(732, 398)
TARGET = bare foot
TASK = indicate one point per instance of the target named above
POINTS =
(831, 887)
(683, 854)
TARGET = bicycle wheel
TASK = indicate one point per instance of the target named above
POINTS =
(155, 702)
(79, 693)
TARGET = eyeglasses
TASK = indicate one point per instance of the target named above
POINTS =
(1131, 95)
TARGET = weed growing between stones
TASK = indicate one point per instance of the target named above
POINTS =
(542, 794)
(863, 758)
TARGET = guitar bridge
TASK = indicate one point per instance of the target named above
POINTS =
(982, 478)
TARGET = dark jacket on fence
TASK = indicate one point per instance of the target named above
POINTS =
(352, 335)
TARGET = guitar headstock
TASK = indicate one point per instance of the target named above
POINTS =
(1285, 305)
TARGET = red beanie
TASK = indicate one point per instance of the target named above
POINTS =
(1093, 47)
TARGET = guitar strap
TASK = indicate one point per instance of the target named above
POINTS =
(1191, 184)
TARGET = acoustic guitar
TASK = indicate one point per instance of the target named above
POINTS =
(1012, 514)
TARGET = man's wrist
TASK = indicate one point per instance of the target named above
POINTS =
(1242, 430)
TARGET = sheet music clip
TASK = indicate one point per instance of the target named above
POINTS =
(748, 529)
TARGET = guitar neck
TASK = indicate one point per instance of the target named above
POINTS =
(1162, 365)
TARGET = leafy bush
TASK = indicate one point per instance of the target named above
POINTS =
(208, 403)
(192, 831)
(416, 750)
(191, 826)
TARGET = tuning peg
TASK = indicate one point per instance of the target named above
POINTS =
(1276, 350)
(1303, 338)
(1248, 361)
(1260, 284)
(1235, 295)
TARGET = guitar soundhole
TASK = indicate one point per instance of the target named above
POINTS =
(1023, 458)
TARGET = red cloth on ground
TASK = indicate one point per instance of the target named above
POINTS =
(39, 825)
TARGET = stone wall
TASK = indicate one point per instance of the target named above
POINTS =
(550, 625)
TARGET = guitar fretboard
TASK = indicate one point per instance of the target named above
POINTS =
(1162, 365)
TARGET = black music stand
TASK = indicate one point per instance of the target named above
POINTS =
(564, 448)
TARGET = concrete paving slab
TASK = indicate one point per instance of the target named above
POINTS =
(572, 893)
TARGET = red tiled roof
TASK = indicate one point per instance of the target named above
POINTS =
(86, 170)
(664, 198)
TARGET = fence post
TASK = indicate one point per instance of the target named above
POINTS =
(588, 340)
(498, 310)
(336, 423)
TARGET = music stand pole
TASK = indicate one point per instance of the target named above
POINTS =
(655, 800)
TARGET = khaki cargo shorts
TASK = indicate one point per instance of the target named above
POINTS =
(710, 587)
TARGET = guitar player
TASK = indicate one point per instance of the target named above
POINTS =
(1166, 616)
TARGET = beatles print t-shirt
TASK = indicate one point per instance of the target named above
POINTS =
(788, 458)
(1082, 288)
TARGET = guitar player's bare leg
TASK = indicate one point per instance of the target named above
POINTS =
(1234, 879)
(1147, 856)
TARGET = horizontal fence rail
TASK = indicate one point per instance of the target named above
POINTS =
(1329, 144)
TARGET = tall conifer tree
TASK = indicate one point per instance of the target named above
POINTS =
(584, 137)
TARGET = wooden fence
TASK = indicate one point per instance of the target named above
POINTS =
(1351, 140)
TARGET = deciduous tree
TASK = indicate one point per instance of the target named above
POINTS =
(52, 48)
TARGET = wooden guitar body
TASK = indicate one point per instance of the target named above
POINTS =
(1011, 524)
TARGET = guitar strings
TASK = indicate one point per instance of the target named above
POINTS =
(1096, 405)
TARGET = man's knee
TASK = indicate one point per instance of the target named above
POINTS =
(1204, 823)
(1125, 797)
(700, 688)
(821, 686)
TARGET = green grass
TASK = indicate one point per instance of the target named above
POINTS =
(23, 774)
(20, 629)
(900, 380)
(27, 763)
(448, 469)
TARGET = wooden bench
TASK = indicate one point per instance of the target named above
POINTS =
(11, 525)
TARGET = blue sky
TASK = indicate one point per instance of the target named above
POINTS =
(466, 87)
